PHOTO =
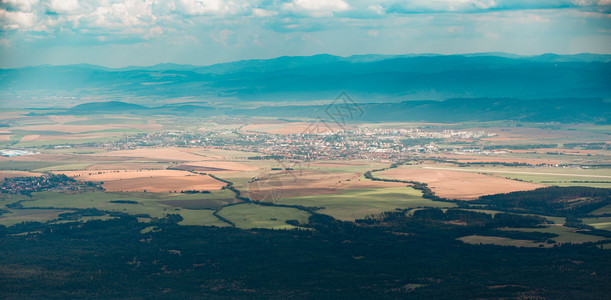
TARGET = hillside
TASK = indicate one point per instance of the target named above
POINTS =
(367, 78)
(563, 110)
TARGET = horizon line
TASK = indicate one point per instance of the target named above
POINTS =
(497, 54)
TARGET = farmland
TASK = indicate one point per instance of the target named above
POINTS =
(458, 185)
(359, 203)
(225, 170)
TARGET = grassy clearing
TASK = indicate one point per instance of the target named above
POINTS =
(249, 215)
(154, 204)
(98, 200)
(565, 234)
(17, 216)
(598, 223)
(501, 241)
(26, 165)
(357, 204)
(200, 217)
(602, 210)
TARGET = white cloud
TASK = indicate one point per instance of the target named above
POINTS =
(259, 12)
(126, 14)
(22, 5)
(209, 7)
(63, 6)
(12, 20)
(316, 8)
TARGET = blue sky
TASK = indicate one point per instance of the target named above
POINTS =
(201, 32)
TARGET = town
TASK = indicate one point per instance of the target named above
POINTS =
(361, 143)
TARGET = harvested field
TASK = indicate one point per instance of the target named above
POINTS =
(156, 181)
(109, 175)
(459, 185)
(127, 166)
(165, 154)
(309, 182)
(10, 174)
(164, 184)
(217, 166)
(5, 137)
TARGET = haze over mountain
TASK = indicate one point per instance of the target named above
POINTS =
(367, 78)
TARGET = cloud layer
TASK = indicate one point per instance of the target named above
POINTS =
(234, 29)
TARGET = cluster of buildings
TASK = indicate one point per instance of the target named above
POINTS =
(46, 182)
(360, 143)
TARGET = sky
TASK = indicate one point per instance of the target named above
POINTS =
(203, 32)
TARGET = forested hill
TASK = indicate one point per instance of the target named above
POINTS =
(571, 110)
(371, 78)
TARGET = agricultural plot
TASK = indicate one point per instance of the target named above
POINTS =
(154, 204)
(217, 166)
(543, 175)
(164, 154)
(250, 215)
(296, 183)
(502, 241)
(356, 204)
(565, 234)
(603, 223)
(602, 210)
(454, 184)
(30, 215)
(200, 218)
(10, 174)
(156, 181)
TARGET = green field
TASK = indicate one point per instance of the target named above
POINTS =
(26, 165)
(356, 204)
(201, 217)
(565, 234)
(30, 215)
(249, 215)
(602, 210)
(501, 241)
(157, 205)
(603, 223)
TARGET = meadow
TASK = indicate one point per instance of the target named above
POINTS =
(359, 203)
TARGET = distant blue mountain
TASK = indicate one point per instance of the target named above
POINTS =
(367, 78)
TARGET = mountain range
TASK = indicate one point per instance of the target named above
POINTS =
(366, 78)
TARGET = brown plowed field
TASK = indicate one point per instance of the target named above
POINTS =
(459, 185)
